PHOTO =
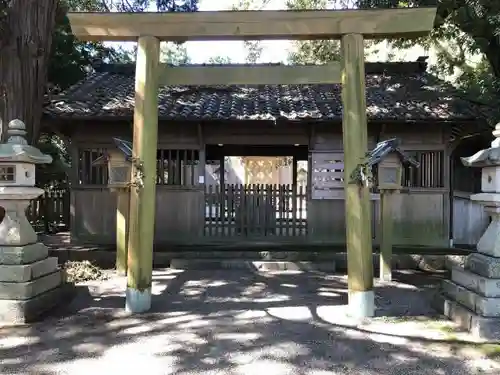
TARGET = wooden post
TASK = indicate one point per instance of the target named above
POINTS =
(142, 198)
(357, 196)
(73, 180)
(386, 228)
(222, 171)
(390, 170)
(294, 173)
(122, 214)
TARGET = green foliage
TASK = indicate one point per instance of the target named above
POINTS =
(253, 47)
(219, 60)
(4, 4)
(71, 60)
(4, 30)
(312, 51)
(144, 5)
(170, 53)
(174, 53)
(318, 51)
(464, 29)
(54, 175)
(465, 42)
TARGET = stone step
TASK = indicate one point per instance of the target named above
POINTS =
(30, 289)
(484, 306)
(215, 264)
(484, 328)
(295, 266)
(482, 285)
(23, 254)
(27, 272)
(483, 265)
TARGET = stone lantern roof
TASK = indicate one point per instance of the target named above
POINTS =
(488, 157)
(17, 148)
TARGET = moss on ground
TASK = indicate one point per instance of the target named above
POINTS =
(491, 351)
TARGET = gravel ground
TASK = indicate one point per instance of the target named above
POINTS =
(241, 322)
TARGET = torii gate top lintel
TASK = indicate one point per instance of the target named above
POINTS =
(254, 25)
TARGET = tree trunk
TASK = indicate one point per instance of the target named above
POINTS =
(26, 30)
(493, 55)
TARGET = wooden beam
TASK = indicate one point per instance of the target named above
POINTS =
(143, 195)
(254, 25)
(206, 75)
(357, 195)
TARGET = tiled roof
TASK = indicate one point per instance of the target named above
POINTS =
(395, 91)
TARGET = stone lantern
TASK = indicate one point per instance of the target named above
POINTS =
(30, 281)
(472, 296)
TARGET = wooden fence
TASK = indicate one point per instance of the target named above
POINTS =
(260, 210)
(50, 212)
(257, 211)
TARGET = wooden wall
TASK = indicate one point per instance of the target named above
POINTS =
(470, 220)
(179, 215)
(421, 218)
(422, 215)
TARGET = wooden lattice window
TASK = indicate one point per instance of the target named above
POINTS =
(89, 174)
(178, 167)
(327, 175)
(8, 173)
(430, 174)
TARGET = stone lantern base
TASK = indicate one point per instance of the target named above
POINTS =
(472, 296)
(30, 281)
(473, 310)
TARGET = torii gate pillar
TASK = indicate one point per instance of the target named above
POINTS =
(143, 191)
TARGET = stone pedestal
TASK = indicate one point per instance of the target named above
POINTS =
(473, 301)
(472, 296)
(30, 281)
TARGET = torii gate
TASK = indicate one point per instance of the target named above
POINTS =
(350, 26)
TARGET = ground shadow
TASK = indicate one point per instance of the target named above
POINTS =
(232, 322)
